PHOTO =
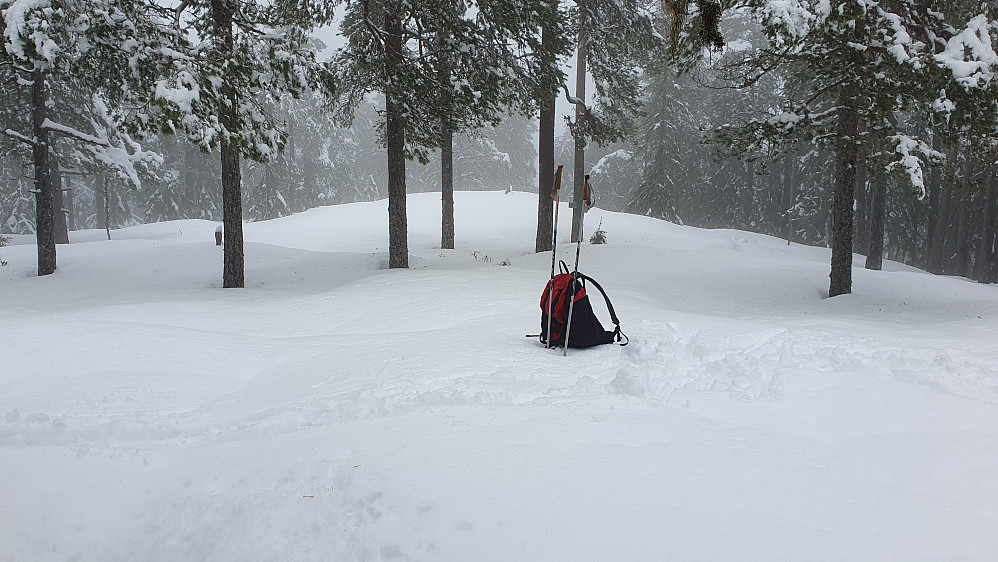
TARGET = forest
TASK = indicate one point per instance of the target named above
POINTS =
(865, 126)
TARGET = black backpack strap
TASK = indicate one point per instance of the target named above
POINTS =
(609, 307)
(618, 335)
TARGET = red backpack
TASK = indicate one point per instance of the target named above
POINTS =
(586, 330)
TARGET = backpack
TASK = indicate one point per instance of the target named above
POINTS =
(586, 330)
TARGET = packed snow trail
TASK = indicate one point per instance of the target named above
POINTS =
(337, 410)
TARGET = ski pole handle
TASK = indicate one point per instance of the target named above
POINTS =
(557, 182)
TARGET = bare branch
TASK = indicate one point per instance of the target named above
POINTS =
(375, 32)
(178, 12)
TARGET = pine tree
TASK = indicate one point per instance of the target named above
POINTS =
(614, 39)
(857, 62)
(54, 50)
(260, 51)
(443, 66)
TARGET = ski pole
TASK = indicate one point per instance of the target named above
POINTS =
(556, 195)
(587, 204)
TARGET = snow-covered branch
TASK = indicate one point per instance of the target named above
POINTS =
(73, 133)
(18, 136)
(572, 99)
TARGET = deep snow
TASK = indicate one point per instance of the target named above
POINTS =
(337, 410)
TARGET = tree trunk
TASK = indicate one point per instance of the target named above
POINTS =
(789, 193)
(842, 200)
(103, 207)
(579, 173)
(960, 255)
(877, 215)
(935, 213)
(545, 163)
(545, 179)
(985, 248)
(233, 267)
(865, 200)
(398, 242)
(60, 223)
(991, 240)
(233, 276)
(70, 204)
(446, 150)
(43, 184)
(447, 190)
(937, 247)
(297, 198)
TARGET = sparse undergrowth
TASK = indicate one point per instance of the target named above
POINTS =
(598, 237)
(485, 258)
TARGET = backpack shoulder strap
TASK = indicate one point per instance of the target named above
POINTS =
(609, 307)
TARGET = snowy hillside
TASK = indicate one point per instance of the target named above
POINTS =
(337, 410)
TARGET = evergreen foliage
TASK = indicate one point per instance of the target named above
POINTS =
(852, 67)
(443, 66)
(618, 39)
(70, 58)
(259, 52)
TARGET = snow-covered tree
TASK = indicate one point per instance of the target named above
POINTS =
(853, 65)
(614, 39)
(233, 60)
(71, 58)
(443, 66)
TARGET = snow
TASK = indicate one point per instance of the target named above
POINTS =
(23, 20)
(619, 154)
(792, 17)
(908, 150)
(969, 55)
(337, 410)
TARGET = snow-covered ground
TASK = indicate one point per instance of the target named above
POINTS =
(337, 410)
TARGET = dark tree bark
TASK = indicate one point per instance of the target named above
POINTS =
(233, 274)
(935, 202)
(865, 199)
(70, 204)
(545, 179)
(299, 199)
(842, 201)
(398, 243)
(789, 193)
(232, 218)
(877, 215)
(446, 153)
(43, 184)
(579, 170)
(103, 210)
(985, 249)
(60, 223)
(447, 190)
(961, 255)
(937, 248)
